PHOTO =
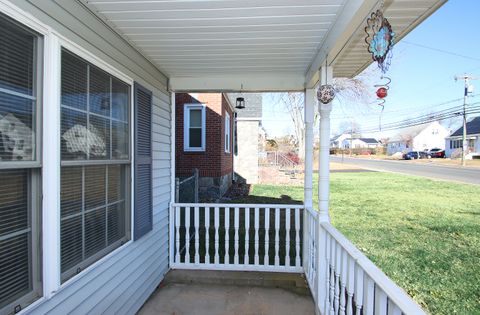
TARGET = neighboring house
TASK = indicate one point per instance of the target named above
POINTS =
(204, 140)
(360, 143)
(418, 138)
(249, 133)
(453, 143)
(338, 140)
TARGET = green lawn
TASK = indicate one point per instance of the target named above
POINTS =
(423, 234)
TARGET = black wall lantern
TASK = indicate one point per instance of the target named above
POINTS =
(240, 103)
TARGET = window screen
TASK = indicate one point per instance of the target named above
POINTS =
(20, 48)
(227, 133)
(95, 182)
(194, 131)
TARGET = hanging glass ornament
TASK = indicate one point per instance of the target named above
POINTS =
(326, 93)
(382, 92)
(380, 39)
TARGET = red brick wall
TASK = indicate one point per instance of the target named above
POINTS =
(213, 162)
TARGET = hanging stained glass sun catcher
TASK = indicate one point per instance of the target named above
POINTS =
(380, 39)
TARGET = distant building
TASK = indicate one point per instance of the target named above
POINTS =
(453, 143)
(337, 141)
(418, 138)
(360, 143)
(204, 141)
(250, 135)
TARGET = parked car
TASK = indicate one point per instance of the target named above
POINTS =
(415, 155)
(412, 155)
(437, 153)
(425, 155)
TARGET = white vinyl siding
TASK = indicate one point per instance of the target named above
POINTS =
(121, 281)
(95, 182)
(194, 128)
(227, 133)
(20, 98)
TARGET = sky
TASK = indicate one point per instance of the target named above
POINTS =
(421, 78)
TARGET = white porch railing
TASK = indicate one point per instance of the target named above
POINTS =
(238, 237)
(349, 282)
(285, 238)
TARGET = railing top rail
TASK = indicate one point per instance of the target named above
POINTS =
(187, 179)
(312, 211)
(239, 205)
(394, 292)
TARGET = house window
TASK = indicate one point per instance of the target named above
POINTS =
(227, 133)
(20, 101)
(194, 127)
(95, 164)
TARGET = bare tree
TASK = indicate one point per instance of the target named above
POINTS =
(293, 103)
(347, 90)
(349, 126)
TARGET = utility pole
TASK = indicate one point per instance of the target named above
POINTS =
(468, 89)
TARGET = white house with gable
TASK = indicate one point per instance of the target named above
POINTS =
(418, 138)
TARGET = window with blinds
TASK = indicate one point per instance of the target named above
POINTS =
(95, 171)
(20, 53)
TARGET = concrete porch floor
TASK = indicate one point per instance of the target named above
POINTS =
(186, 292)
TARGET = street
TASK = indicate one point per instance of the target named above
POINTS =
(459, 174)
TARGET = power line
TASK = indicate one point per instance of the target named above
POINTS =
(440, 50)
(440, 115)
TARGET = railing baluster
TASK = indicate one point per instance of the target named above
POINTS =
(227, 236)
(369, 292)
(236, 226)
(359, 289)
(328, 258)
(256, 260)
(393, 309)
(332, 275)
(177, 234)
(196, 214)
(313, 233)
(287, 237)
(306, 244)
(246, 259)
(217, 240)
(277, 237)
(343, 281)
(187, 235)
(207, 235)
(338, 261)
(380, 302)
(350, 285)
(297, 237)
(266, 260)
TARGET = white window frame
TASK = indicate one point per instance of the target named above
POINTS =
(228, 132)
(50, 141)
(105, 66)
(34, 167)
(186, 127)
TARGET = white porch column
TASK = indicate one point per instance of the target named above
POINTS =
(324, 156)
(323, 197)
(310, 101)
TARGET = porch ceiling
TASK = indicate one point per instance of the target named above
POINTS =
(252, 44)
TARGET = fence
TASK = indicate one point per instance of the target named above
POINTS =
(186, 190)
(238, 237)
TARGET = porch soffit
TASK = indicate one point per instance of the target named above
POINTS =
(252, 45)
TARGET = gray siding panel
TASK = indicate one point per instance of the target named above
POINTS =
(121, 282)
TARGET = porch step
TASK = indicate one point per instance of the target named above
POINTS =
(292, 282)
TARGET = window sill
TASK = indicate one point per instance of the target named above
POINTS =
(94, 266)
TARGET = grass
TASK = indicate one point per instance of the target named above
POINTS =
(424, 234)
